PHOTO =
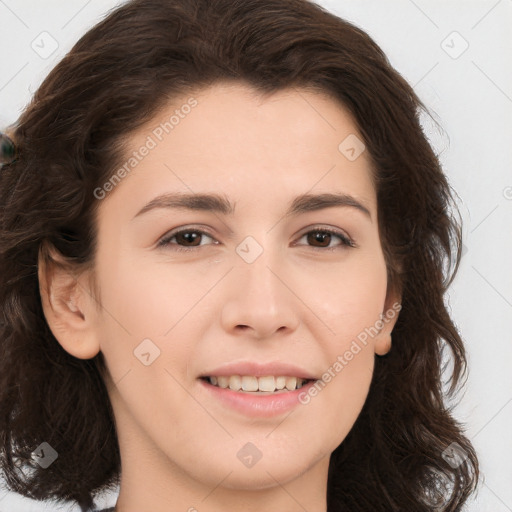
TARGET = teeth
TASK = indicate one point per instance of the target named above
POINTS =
(250, 383)
(222, 382)
(267, 383)
(280, 382)
(291, 383)
(235, 382)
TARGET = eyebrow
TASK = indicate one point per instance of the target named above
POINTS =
(220, 204)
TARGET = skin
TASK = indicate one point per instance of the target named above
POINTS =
(298, 302)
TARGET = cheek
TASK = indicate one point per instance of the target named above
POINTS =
(149, 298)
(347, 299)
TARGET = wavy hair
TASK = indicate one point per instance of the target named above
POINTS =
(70, 140)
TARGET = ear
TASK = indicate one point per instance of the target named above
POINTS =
(392, 307)
(68, 305)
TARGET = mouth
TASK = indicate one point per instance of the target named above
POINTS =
(266, 385)
(256, 389)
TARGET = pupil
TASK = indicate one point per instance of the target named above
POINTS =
(189, 237)
(319, 236)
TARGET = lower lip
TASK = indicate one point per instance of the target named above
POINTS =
(252, 404)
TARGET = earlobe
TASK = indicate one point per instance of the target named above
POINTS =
(67, 307)
(387, 323)
(383, 346)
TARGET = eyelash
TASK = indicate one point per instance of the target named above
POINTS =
(346, 242)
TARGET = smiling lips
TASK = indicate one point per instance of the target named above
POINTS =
(258, 378)
(267, 383)
(258, 390)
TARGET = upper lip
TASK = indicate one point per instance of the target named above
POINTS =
(251, 368)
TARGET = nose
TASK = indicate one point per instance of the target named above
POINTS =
(260, 301)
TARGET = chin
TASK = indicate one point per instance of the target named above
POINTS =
(266, 472)
(253, 479)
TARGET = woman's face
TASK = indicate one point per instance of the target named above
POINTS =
(214, 260)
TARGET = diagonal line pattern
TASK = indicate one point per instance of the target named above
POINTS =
(492, 419)
(492, 81)
(14, 76)
(287, 492)
(486, 14)
(497, 497)
(280, 423)
(14, 14)
(119, 380)
(199, 301)
(426, 74)
(199, 403)
(492, 211)
(170, 170)
(76, 14)
(216, 486)
(316, 110)
(104, 309)
(424, 13)
(489, 283)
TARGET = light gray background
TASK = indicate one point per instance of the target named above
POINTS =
(469, 93)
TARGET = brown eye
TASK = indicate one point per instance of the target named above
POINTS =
(186, 238)
(322, 239)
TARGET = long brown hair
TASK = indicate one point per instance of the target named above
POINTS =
(69, 142)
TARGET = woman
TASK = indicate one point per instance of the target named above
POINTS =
(225, 246)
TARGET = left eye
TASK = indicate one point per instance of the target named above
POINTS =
(189, 239)
(190, 236)
(323, 236)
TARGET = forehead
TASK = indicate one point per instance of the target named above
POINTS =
(229, 137)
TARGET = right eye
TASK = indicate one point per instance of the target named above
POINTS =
(186, 239)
